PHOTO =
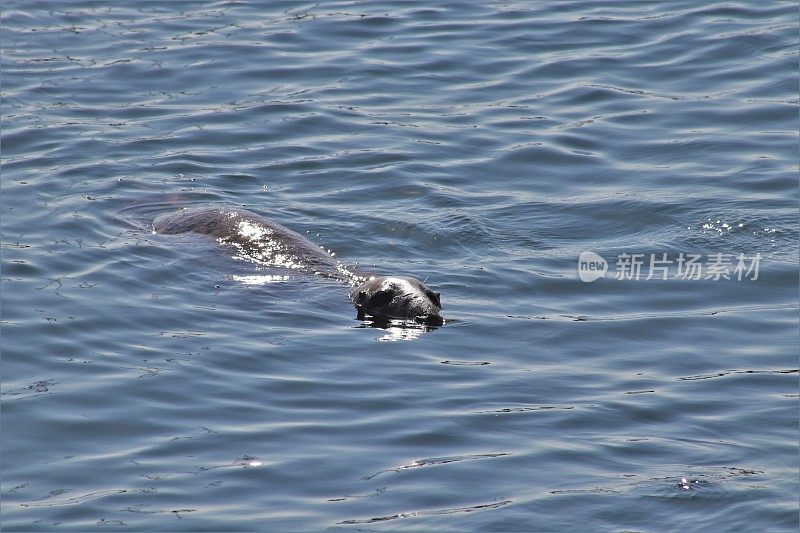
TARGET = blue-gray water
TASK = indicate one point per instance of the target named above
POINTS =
(154, 383)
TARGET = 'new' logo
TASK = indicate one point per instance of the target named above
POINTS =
(591, 266)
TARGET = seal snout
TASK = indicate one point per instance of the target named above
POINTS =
(430, 320)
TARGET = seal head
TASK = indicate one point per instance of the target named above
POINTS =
(397, 297)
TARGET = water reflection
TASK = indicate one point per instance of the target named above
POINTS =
(397, 329)
(261, 279)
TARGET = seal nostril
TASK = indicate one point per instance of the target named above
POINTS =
(430, 320)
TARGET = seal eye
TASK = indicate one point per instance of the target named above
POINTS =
(381, 298)
(434, 297)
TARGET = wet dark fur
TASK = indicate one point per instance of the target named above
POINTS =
(387, 297)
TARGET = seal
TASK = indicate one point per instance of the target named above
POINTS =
(264, 241)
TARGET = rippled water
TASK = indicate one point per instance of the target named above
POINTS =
(155, 383)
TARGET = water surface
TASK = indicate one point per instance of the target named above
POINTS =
(156, 383)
